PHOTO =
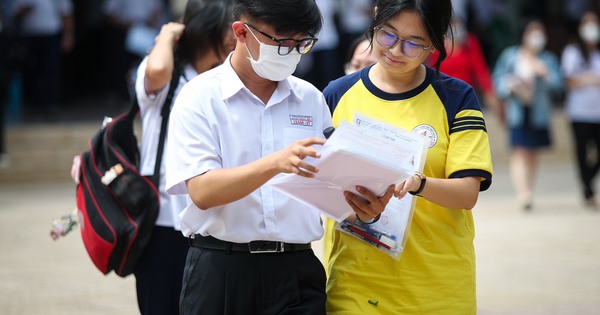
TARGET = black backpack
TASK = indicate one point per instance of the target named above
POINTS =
(117, 219)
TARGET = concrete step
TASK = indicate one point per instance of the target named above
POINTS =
(44, 152)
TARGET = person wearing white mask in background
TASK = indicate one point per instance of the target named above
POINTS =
(580, 64)
(526, 78)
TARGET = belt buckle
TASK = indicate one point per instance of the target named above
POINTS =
(264, 247)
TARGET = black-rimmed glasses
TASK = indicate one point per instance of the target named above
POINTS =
(287, 45)
(409, 48)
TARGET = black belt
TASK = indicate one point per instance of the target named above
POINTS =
(252, 247)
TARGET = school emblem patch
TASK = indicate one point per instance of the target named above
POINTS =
(428, 132)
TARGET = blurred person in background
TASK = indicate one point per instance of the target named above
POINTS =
(6, 75)
(526, 77)
(460, 9)
(46, 29)
(581, 67)
(323, 63)
(353, 19)
(466, 62)
(131, 24)
(359, 55)
(202, 42)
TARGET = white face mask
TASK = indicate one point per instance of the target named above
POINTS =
(590, 33)
(536, 40)
(270, 64)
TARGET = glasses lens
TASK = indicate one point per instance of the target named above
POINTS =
(385, 38)
(412, 49)
(286, 47)
(287, 43)
(306, 45)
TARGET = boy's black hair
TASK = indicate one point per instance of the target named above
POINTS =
(288, 17)
(206, 25)
(435, 15)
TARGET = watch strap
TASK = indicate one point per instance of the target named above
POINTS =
(421, 187)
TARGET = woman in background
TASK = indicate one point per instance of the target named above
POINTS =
(526, 78)
(581, 66)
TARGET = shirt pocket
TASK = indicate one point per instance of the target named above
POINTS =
(294, 134)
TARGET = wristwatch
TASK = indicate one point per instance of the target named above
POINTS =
(375, 219)
(420, 189)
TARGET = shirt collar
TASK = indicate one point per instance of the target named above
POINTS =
(189, 72)
(232, 84)
(283, 91)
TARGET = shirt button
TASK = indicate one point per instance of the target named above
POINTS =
(268, 147)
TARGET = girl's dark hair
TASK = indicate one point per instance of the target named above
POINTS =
(206, 25)
(435, 15)
(289, 17)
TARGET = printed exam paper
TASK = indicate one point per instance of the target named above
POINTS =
(367, 153)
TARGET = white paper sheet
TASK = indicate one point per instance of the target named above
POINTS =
(371, 155)
(339, 171)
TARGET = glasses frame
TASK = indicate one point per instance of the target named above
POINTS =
(401, 41)
(281, 41)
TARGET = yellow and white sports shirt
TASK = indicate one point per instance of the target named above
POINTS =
(436, 272)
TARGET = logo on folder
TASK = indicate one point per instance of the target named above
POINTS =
(300, 120)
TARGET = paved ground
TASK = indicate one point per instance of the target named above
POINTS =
(546, 261)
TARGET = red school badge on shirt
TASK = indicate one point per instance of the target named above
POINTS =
(301, 120)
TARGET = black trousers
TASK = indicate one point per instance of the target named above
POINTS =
(159, 272)
(43, 72)
(243, 283)
(587, 135)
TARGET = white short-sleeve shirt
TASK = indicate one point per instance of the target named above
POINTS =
(46, 16)
(581, 103)
(218, 123)
(135, 11)
(150, 108)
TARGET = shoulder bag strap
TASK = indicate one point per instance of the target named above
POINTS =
(134, 110)
(166, 111)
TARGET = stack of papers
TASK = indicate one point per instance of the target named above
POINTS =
(368, 153)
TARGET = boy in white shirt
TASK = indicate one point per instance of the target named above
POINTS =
(232, 129)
